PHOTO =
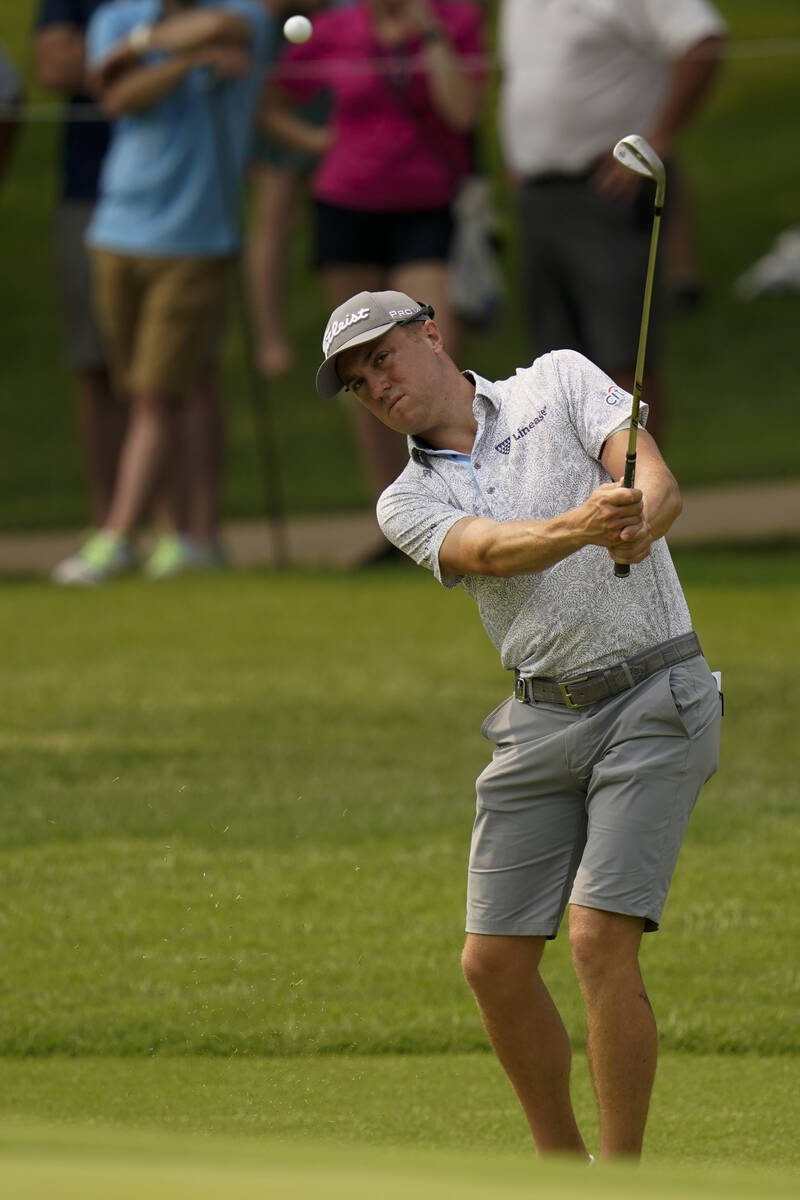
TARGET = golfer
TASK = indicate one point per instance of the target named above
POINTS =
(613, 727)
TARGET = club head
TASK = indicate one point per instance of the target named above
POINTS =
(635, 153)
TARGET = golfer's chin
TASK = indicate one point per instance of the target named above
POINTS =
(399, 416)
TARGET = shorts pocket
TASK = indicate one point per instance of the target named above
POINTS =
(497, 723)
(694, 695)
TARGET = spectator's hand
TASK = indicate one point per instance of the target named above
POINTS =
(227, 62)
(612, 179)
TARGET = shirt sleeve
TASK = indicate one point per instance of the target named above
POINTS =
(596, 407)
(677, 26)
(417, 523)
(106, 27)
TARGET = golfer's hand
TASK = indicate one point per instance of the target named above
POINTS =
(611, 511)
(634, 543)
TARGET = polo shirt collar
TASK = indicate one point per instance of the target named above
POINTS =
(486, 399)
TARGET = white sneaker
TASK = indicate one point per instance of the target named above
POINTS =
(776, 272)
(176, 553)
(101, 557)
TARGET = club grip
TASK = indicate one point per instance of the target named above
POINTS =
(621, 570)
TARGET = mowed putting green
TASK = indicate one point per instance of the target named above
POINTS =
(39, 1163)
(235, 819)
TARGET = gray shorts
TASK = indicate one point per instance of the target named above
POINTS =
(83, 341)
(589, 806)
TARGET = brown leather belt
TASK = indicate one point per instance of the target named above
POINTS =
(608, 681)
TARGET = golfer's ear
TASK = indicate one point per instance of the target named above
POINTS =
(434, 334)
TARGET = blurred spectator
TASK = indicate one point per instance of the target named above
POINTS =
(680, 259)
(278, 173)
(60, 62)
(777, 272)
(575, 79)
(405, 81)
(181, 81)
(10, 99)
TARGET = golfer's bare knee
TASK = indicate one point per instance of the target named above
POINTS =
(499, 966)
(603, 943)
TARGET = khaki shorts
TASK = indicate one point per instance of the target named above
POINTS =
(589, 806)
(162, 317)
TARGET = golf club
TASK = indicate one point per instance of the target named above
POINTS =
(638, 155)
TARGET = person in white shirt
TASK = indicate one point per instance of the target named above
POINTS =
(578, 75)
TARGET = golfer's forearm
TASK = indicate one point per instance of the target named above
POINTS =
(480, 546)
(662, 500)
(692, 76)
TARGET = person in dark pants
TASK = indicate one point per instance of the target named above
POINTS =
(575, 79)
(60, 65)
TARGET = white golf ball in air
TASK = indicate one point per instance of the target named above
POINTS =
(297, 29)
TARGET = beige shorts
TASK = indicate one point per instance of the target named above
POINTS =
(162, 318)
(589, 806)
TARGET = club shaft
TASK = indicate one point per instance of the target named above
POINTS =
(623, 569)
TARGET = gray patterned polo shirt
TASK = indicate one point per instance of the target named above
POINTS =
(536, 455)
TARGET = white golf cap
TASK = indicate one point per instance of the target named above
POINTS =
(363, 318)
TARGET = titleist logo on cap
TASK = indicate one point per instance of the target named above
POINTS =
(337, 327)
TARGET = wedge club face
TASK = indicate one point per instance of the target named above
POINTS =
(635, 153)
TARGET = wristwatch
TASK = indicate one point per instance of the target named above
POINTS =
(140, 38)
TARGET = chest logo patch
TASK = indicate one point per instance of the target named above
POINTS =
(504, 447)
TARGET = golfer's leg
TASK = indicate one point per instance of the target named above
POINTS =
(622, 1037)
(527, 1034)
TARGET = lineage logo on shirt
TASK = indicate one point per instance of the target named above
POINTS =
(504, 447)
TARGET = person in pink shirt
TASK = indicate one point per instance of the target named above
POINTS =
(406, 82)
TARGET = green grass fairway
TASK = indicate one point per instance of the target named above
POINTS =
(707, 1110)
(39, 1163)
(235, 818)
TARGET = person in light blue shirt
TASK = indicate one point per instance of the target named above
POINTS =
(172, 179)
(181, 82)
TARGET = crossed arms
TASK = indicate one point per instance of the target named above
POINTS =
(213, 37)
(626, 521)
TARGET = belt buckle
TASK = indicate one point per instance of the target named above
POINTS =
(521, 689)
(564, 689)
